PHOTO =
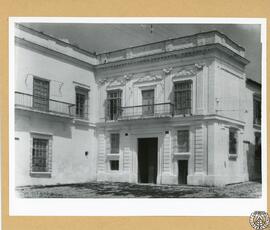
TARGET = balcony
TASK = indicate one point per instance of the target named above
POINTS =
(160, 110)
(44, 105)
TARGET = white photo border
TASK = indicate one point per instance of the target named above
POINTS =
(136, 206)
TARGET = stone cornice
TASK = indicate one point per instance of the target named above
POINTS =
(175, 121)
(58, 41)
(169, 55)
(57, 48)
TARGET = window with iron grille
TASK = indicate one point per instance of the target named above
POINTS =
(182, 97)
(81, 103)
(40, 155)
(232, 141)
(258, 150)
(115, 139)
(257, 111)
(114, 104)
(41, 94)
(182, 141)
(114, 165)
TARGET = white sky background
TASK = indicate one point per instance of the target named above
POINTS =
(101, 38)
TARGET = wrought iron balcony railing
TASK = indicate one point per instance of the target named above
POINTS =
(146, 111)
(44, 104)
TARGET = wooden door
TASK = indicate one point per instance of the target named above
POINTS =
(182, 171)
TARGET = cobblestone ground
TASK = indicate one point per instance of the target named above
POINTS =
(128, 190)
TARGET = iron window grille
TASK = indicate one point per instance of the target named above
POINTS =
(257, 111)
(233, 141)
(114, 98)
(40, 155)
(115, 139)
(182, 97)
(182, 141)
(258, 150)
(114, 165)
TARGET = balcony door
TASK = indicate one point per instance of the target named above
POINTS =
(41, 94)
(114, 104)
(148, 100)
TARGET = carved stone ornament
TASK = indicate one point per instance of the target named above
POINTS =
(128, 77)
(149, 78)
(167, 70)
(198, 66)
(102, 81)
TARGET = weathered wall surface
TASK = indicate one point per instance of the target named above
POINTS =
(69, 144)
(250, 131)
(63, 77)
(70, 138)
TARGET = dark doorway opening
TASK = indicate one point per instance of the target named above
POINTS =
(147, 160)
(182, 171)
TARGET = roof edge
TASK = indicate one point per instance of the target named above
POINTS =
(59, 41)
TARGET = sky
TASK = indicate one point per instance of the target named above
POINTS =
(101, 38)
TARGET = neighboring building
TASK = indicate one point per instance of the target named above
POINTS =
(176, 111)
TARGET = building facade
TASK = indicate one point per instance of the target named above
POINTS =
(180, 111)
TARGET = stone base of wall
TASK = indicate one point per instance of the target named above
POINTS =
(168, 178)
(215, 180)
(115, 177)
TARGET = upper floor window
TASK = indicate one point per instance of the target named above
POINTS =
(182, 97)
(114, 104)
(115, 139)
(257, 111)
(81, 102)
(183, 141)
(41, 94)
(232, 141)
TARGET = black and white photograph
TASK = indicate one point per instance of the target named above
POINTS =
(137, 110)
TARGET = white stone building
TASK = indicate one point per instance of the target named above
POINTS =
(175, 111)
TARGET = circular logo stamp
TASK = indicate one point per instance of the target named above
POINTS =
(259, 220)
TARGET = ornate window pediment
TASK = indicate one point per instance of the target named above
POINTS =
(187, 72)
(149, 78)
(116, 83)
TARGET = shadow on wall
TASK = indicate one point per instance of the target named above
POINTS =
(253, 155)
(26, 121)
